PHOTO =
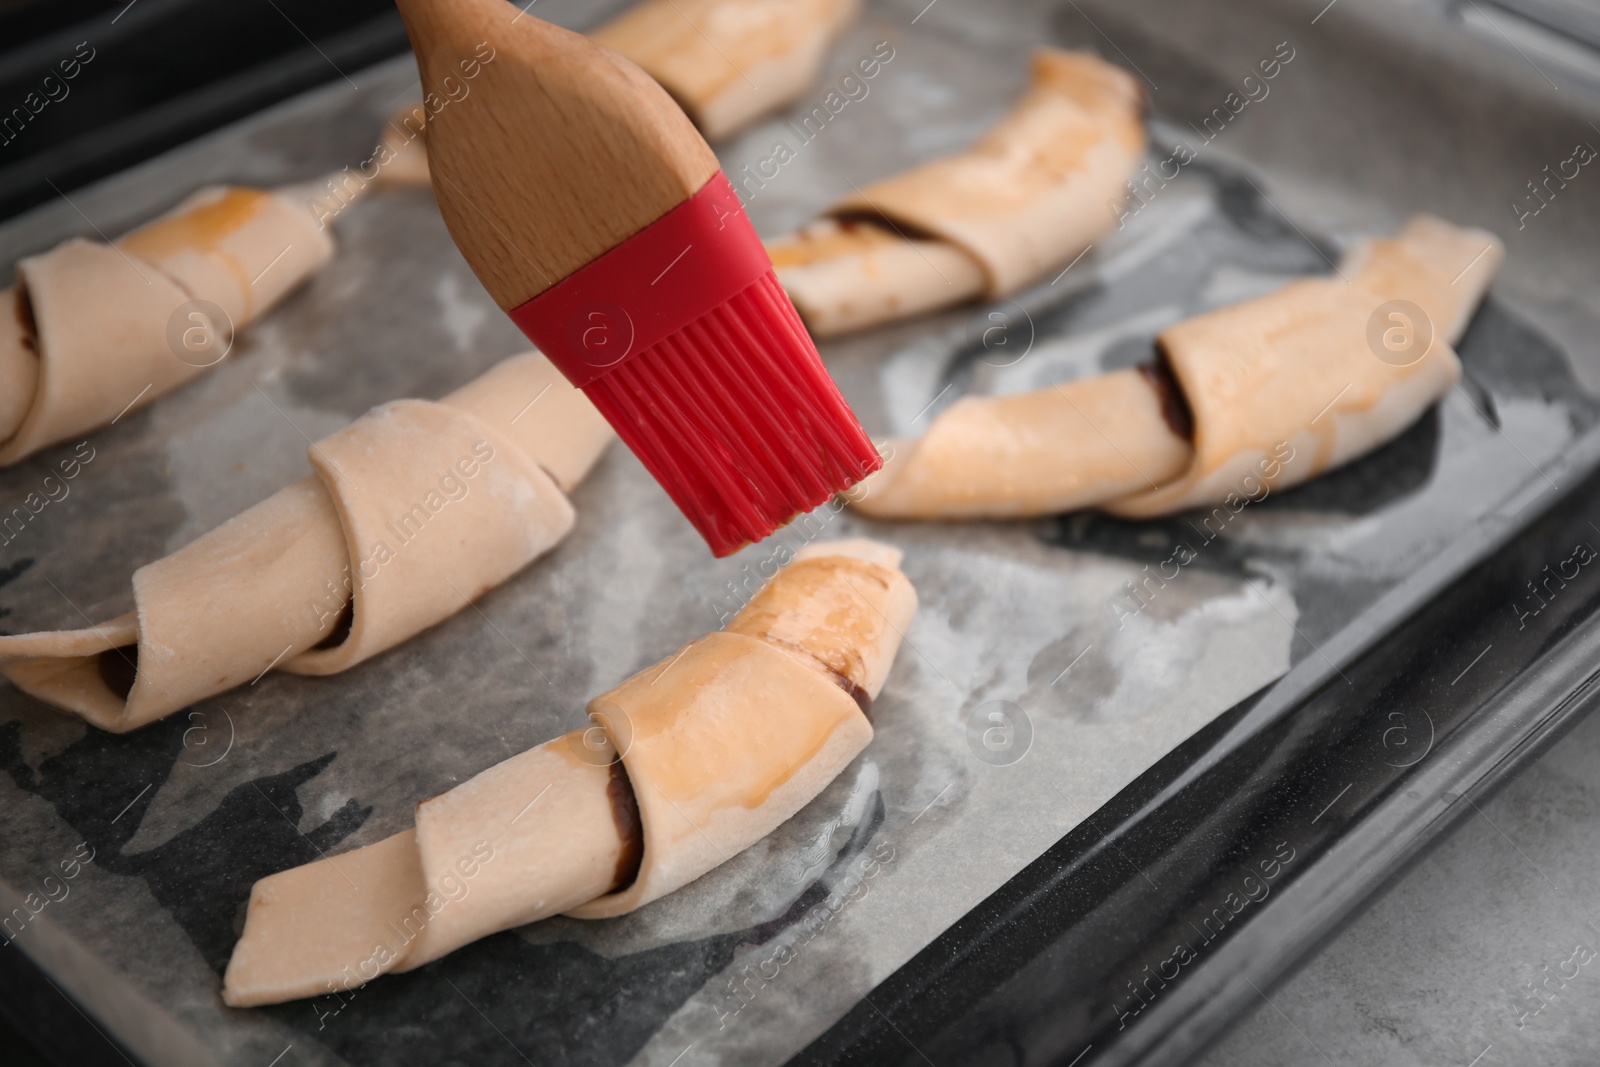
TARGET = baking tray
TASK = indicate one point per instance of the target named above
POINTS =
(139, 101)
(946, 903)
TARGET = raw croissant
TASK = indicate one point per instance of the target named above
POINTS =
(719, 744)
(415, 508)
(728, 62)
(91, 330)
(1266, 393)
(1033, 193)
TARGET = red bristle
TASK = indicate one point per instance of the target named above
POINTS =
(726, 388)
(737, 418)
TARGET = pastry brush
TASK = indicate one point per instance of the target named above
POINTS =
(598, 218)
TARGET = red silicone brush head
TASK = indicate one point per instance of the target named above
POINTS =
(686, 343)
(737, 418)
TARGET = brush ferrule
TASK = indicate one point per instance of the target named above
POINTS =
(692, 259)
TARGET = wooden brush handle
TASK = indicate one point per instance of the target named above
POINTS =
(556, 151)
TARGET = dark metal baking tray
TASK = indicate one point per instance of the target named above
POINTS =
(1384, 105)
(162, 72)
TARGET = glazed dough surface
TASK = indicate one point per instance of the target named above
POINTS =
(728, 62)
(97, 330)
(713, 748)
(1035, 191)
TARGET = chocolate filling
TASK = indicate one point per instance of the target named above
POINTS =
(23, 309)
(1174, 406)
(862, 698)
(341, 629)
(119, 668)
(850, 221)
(625, 813)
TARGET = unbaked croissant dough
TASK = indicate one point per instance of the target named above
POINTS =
(415, 509)
(403, 152)
(92, 330)
(1268, 392)
(728, 62)
(719, 744)
(1034, 192)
